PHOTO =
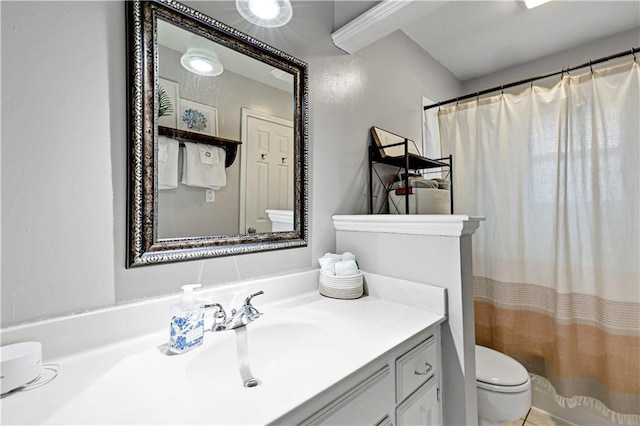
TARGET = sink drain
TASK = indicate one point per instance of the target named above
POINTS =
(251, 383)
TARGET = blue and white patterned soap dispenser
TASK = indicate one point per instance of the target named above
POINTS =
(187, 321)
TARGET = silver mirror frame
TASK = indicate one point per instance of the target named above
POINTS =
(143, 246)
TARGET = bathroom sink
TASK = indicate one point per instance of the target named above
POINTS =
(275, 351)
(284, 350)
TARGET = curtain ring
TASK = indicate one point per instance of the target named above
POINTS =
(457, 101)
(633, 52)
(590, 67)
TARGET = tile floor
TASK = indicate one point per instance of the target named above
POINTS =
(537, 417)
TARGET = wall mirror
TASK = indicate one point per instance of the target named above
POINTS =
(217, 139)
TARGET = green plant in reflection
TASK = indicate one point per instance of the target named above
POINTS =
(164, 103)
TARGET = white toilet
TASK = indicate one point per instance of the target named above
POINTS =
(504, 387)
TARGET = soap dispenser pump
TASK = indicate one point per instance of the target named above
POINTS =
(187, 321)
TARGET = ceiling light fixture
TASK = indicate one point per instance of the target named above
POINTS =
(265, 13)
(534, 3)
(202, 62)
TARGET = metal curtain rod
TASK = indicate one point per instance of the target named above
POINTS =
(632, 51)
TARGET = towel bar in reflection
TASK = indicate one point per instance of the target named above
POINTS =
(230, 146)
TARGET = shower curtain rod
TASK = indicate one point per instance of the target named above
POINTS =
(632, 51)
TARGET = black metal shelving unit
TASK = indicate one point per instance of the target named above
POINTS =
(407, 162)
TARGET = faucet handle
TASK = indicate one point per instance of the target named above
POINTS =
(219, 316)
(247, 301)
(250, 311)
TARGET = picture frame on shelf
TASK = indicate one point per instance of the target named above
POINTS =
(197, 118)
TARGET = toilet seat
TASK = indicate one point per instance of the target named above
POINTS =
(498, 372)
(504, 389)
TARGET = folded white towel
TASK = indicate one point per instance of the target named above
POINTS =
(334, 256)
(328, 266)
(348, 256)
(167, 163)
(345, 268)
(338, 264)
(203, 166)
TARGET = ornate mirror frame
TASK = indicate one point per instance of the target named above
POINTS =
(144, 247)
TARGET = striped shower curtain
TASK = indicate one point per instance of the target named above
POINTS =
(555, 171)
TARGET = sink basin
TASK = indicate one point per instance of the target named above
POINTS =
(274, 352)
(283, 351)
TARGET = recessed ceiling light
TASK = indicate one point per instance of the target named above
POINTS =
(534, 3)
(202, 62)
(265, 13)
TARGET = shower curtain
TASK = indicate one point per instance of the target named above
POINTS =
(555, 171)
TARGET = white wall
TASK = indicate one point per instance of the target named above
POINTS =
(64, 148)
(57, 132)
(435, 250)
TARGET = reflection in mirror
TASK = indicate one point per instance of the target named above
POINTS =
(218, 139)
(247, 189)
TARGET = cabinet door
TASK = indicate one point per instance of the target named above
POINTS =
(364, 404)
(421, 408)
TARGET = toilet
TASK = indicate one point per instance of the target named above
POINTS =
(504, 387)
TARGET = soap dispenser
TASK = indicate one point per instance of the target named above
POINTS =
(187, 321)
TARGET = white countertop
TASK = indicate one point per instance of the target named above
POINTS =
(297, 349)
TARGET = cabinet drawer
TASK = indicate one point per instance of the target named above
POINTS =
(416, 367)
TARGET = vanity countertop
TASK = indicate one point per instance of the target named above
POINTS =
(297, 349)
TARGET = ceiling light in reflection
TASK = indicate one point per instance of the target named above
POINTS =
(202, 62)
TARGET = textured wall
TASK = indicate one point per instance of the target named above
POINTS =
(64, 148)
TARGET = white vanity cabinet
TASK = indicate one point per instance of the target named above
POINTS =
(399, 388)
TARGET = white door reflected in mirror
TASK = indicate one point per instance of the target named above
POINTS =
(267, 145)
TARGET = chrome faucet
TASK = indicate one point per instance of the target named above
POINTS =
(239, 317)
(243, 315)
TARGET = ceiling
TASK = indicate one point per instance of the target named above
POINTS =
(477, 38)
(181, 40)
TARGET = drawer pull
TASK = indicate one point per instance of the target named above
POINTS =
(426, 371)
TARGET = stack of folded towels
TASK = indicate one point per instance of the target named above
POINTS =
(340, 265)
(340, 277)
